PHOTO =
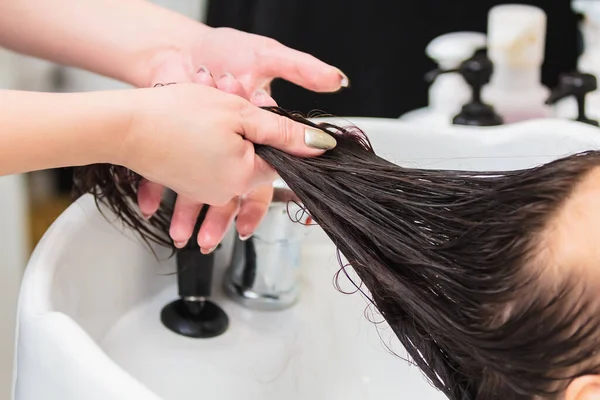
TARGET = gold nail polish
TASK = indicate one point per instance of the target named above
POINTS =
(317, 139)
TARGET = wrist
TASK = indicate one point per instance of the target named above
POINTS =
(112, 118)
(172, 57)
(60, 130)
(99, 126)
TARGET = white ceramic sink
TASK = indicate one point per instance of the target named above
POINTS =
(89, 325)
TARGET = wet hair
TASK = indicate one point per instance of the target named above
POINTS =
(454, 261)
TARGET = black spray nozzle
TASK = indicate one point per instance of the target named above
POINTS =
(433, 74)
(477, 72)
(578, 85)
(573, 84)
(473, 69)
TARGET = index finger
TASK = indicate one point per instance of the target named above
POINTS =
(280, 61)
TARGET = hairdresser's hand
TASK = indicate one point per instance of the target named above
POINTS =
(254, 60)
(197, 140)
(250, 209)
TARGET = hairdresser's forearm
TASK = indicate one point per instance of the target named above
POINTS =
(45, 130)
(115, 38)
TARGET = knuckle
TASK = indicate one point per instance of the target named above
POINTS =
(244, 108)
(243, 181)
(221, 200)
(267, 45)
(286, 128)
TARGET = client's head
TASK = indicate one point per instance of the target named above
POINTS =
(489, 280)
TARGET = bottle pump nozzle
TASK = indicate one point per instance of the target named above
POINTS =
(477, 72)
(578, 85)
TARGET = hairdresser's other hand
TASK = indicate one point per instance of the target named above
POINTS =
(250, 209)
(198, 141)
(253, 59)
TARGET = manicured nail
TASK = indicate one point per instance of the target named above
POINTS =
(344, 81)
(228, 75)
(319, 140)
(205, 251)
(203, 70)
(181, 244)
(245, 237)
(146, 216)
(260, 93)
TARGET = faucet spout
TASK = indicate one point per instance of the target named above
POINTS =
(263, 271)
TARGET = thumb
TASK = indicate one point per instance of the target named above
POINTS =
(265, 127)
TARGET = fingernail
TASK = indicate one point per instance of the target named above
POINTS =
(344, 81)
(179, 245)
(245, 237)
(319, 140)
(205, 251)
(228, 75)
(146, 216)
(203, 70)
(260, 93)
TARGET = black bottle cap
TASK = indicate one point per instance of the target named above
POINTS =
(477, 72)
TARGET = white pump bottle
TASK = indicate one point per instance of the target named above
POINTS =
(589, 60)
(516, 44)
(449, 91)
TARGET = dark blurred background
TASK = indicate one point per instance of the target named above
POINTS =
(380, 45)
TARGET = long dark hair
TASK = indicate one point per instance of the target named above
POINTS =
(451, 259)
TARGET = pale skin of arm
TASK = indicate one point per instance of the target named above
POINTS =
(114, 38)
(48, 130)
(141, 43)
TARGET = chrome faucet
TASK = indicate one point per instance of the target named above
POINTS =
(263, 271)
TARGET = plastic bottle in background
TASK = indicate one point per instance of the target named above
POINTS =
(449, 91)
(589, 60)
(516, 41)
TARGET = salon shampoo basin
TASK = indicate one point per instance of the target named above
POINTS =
(89, 309)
